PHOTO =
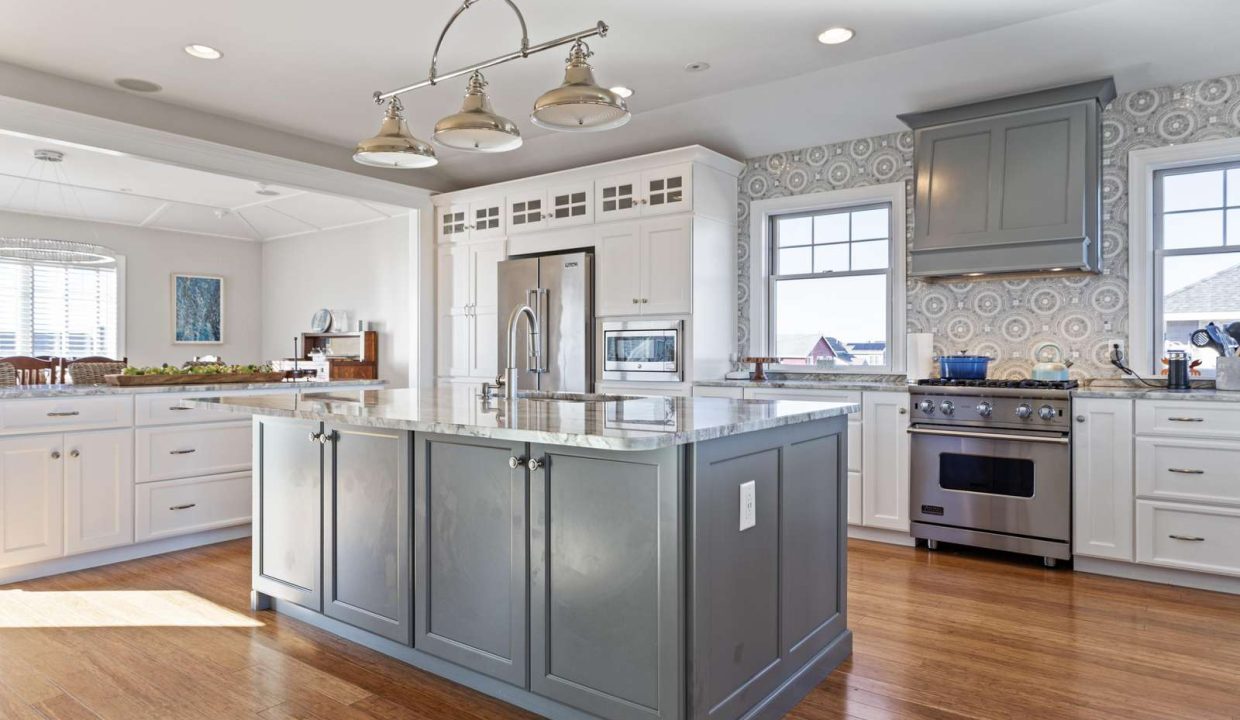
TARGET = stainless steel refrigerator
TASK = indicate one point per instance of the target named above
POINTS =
(560, 290)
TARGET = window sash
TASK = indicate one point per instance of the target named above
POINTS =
(60, 310)
(774, 247)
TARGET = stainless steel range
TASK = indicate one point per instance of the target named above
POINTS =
(991, 465)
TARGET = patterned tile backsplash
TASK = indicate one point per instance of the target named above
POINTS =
(1010, 319)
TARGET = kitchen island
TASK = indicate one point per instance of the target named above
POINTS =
(575, 555)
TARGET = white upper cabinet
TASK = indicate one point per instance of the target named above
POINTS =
(667, 190)
(617, 269)
(486, 219)
(618, 197)
(570, 205)
(667, 266)
(527, 210)
(452, 222)
(468, 309)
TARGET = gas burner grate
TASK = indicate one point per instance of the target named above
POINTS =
(1006, 384)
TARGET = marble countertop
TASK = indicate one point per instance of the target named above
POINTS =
(11, 392)
(872, 385)
(1126, 389)
(627, 423)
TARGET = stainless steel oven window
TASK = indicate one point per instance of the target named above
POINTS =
(848, 254)
(1196, 238)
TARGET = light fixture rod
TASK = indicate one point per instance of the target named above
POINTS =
(599, 30)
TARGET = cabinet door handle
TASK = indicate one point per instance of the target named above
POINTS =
(186, 506)
(535, 464)
(635, 301)
(1186, 471)
(67, 413)
(316, 437)
(74, 454)
(1080, 418)
(55, 454)
(1186, 419)
(327, 437)
(187, 451)
(178, 407)
(645, 300)
(903, 411)
(515, 462)
(1187, 538)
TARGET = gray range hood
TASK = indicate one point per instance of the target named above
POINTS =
(1010, 185)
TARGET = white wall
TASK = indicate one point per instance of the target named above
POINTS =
(151, 257)
(364, 269)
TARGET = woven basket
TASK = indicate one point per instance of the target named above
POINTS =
(92, 373)
(8, 374)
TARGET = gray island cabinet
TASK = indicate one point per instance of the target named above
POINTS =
(578, 556)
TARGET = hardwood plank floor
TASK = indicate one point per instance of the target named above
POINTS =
(942, 636)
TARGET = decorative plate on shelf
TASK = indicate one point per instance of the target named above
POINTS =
(322, 321)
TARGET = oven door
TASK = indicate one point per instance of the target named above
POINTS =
(1018, 484)
(641, 353)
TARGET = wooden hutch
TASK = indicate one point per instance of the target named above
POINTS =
(349, 355)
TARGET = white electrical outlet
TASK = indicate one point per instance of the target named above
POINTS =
(749, 505)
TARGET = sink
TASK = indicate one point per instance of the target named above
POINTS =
(540, 396)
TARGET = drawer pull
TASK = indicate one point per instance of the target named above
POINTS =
(1187, 538)
(68, 413)
(186, 506)
(182, 452)
(1186, 419)
(1186, 471)
(178, 407)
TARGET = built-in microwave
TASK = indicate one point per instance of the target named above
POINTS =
(643, 350)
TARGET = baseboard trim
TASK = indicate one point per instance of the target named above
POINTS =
(72, 563)
(795, 688)
(1160, 575)
(891, 537)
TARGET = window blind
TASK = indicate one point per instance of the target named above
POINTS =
(61, 310)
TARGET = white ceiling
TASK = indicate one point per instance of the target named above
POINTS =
(103, 186)
(309, 67)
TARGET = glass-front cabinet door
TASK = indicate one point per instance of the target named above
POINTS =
(453, 223)
(570, 205)
(527, 211)
(667, 190)
(486, 218)
(616, 198)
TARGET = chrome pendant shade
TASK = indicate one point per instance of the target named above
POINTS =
(477, 127)
(580, 104)
(395, 146)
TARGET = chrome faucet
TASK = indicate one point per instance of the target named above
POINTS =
(511, 373)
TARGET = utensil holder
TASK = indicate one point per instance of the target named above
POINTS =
(1227, 373)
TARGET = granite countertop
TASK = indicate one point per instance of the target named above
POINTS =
(623, 423)
(1137, 391)
(11, 392)
(884, 385)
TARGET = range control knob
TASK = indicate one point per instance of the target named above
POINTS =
(984, 409)
(948, 407)
(926, 406)
(1046, 412)
(1024, 412)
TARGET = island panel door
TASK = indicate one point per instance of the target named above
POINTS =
(605, 581)
(367, 535)
(470, 553)
(288, 498)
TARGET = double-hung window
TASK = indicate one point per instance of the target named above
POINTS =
(829, 291)
(65, 310)
(1196, 255)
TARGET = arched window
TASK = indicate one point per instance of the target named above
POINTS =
(58, 298)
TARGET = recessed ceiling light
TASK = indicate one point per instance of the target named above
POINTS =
(835, 36)
(264, 190)
(203, 52)
(698, 66)
(623, 91)
(142, 86)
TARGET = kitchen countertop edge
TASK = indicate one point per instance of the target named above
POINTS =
(18, 392)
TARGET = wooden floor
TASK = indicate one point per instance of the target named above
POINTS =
(939, 636)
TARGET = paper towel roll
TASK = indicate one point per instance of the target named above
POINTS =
(919, 362)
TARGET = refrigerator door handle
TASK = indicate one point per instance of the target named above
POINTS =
(544, 341)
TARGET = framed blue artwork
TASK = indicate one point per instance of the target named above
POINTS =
(197, 309)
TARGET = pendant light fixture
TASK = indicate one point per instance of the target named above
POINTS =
(580, 104)
(476, 127)
(394, 146)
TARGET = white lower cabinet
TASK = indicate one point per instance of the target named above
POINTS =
(180, 451)
(885, 479)
(98, 490)
(179, 507)
(1102, 482)
(31, 499)
(1189, 537)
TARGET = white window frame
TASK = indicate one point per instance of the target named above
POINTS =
(121, 351)
(1142, 307)
(760, 214)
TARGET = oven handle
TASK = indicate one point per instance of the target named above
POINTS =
(990, 436)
